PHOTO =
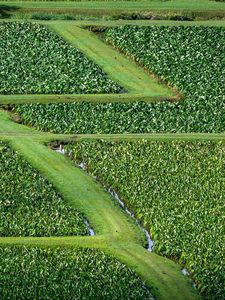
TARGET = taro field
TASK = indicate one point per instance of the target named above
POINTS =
(112, 159)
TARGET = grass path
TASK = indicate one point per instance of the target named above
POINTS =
(113, 23)
(116, 233)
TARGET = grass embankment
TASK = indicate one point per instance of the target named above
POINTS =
(116, 234)
(202, 8)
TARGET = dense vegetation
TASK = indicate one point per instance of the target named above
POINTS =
(34, 273)
(29, 204)
(138, 117)
(192, 60)
(189, 58)
(34, 60)
(176, 189)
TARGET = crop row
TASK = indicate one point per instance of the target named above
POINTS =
(138, 117)
(34, 60)
(176, 189)
(29, 204)
(35, 273)
(191, 59)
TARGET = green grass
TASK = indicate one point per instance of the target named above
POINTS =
(110, 223)
(113, 7)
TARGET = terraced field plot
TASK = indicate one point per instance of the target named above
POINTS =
(118, 240)
(40, 62)
(177, 189)
(30, 206)
(83, 273)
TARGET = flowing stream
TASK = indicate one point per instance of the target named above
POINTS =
(150, 245)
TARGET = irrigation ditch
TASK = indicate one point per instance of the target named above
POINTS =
(149, 242)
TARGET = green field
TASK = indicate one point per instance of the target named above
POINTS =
(115, 7)
(64, 271)
(42, 189)
(29, 204)
(173, 60)
(183, 223)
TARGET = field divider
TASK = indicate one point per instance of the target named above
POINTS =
(116, 233)
(74, 241)
(94, 98)
(120, 68)
(80, 190)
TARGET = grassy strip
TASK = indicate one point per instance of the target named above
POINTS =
(112, 7)
(98, 98)
(114, 23)
(118, 231)
(120, 68)
(154, 137)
